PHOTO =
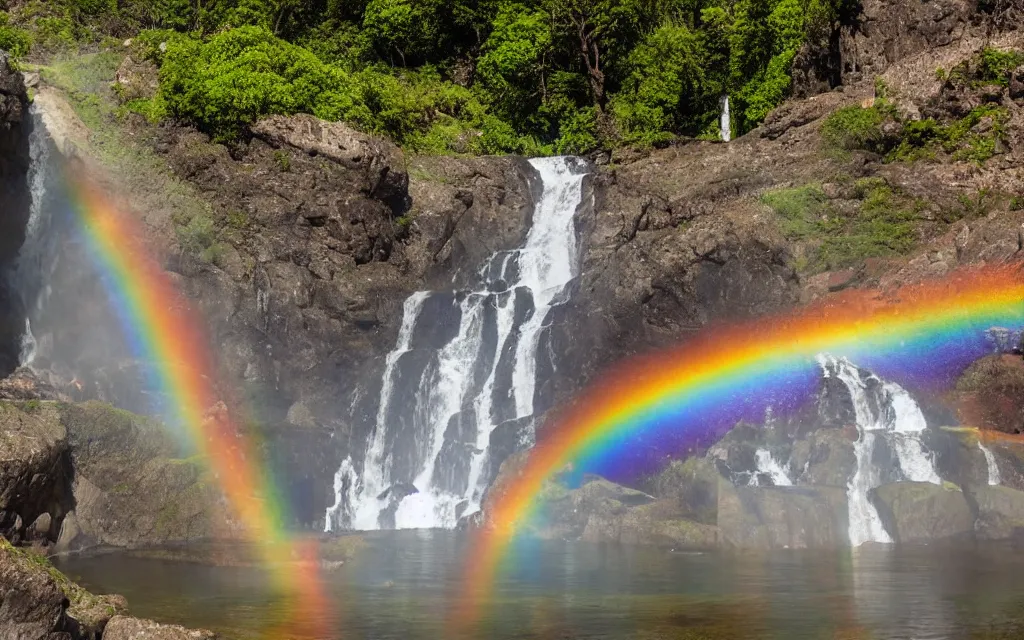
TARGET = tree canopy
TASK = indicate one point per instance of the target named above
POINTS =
(475, 76)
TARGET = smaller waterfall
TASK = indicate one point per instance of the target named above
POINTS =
(769, 466)
(28, 345)
(725, 121)
(882, 409)
(993, 468)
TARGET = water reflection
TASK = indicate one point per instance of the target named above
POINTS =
(404, 585)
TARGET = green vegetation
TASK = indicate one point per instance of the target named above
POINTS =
(883, 223)
(468, 76)
(880, 129)
(855, 127)
(14, 40)
(989, 66)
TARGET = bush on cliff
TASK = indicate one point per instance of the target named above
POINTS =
(13, 40)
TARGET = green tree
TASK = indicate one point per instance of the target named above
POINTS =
(515, 60)
(410, 28)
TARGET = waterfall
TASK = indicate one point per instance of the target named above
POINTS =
(990, 460)
(39, 255)
(458, 390)
(725, 121)
(882, 409)
(770, 467)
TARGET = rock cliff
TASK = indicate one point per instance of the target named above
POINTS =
(15, 127)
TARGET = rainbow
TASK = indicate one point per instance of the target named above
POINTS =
(652, 409)
(163, 331)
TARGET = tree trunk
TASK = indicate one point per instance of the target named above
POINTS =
(591, 55)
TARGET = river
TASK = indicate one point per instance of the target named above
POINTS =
(404, 585)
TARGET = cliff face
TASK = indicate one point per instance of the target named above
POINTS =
(14, 203)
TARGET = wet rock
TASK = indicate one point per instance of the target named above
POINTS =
(130, 486)
(602, 511)
(124, 628)
(921, 511)
(1000, 512)
(783, 517)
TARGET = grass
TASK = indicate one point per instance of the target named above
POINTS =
(145, 176)
(883, 224)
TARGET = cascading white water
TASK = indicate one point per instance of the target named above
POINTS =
(35, 257)
(361, 514)
(885, 409)
(725, 120)
(990, 461)
(769, 466)
(440, 405)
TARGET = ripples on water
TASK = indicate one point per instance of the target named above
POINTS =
(404, 585)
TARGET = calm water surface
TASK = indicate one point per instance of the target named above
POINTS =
(405, 585)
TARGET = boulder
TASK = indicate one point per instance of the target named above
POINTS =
(125, 628)
(32, 604)
(1000, 512)
(38, 602)
(35, 468)
(603, 511)
(922, 512)
(782, 517)
(131, 488)
(990, 394)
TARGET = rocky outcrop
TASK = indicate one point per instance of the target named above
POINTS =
(15, 197)
(921, 511)
(76, 476)
(125, 628)
(35, 473)
(990, 394)
(131, 487)
(602, 511)
(37, 602)
(32, 605)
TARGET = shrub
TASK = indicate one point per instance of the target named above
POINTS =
(13, 40)
(855, 127)
(198, 235)
(996, 66)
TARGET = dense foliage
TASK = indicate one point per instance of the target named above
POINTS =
(468, 75)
